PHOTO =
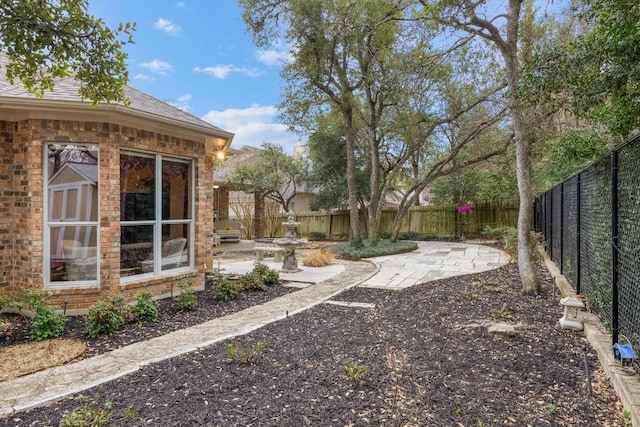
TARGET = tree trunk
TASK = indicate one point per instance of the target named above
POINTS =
(530, 283)
(350, 138)
(509, 50)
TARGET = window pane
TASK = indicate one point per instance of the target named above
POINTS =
(136, 250)
(176, 190)
(175, 246)
(137, 183)
(72, 182)
(74, 253)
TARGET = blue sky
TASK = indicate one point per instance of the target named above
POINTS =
(196, 54)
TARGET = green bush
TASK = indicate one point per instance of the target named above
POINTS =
(225, 289)
(145, 310)
(252, 281)
(187, 300)
(271, 278)
(46, 323)
(318, 236)
(244, 354)
(107, 316)
(260, 269)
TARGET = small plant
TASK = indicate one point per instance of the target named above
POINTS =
(271, 278)
(4, 301)
(502, 313)
(260, 269)
(267, 275)
(458, 411)
(46, 323)
(225, 289)
(356, 372)
(186, 300)
(551, 408)
(252, 282)
(88, 414)
(145, 310)
(129, 414)
(107, 316)
(468, 295)
(318, 258)
(244, 354)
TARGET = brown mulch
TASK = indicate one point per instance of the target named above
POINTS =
(419, 357)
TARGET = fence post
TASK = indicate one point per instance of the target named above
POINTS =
(562, 228)
(551, 224)
(614, 246)
(578, 228)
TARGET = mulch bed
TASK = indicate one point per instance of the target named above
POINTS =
(420, 357)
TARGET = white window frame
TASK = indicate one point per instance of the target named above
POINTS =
(158, 222)
(50, 223)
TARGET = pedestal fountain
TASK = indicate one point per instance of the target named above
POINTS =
(289, 244)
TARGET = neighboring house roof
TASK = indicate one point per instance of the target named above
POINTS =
(88, 172)
(141, 104)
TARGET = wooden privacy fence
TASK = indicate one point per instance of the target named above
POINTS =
(436, 221)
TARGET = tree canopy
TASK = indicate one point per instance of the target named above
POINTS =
(271, 174)
(50, 39)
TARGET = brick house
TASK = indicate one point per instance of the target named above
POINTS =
(103, 200)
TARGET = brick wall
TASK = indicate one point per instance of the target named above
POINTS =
(22, 206)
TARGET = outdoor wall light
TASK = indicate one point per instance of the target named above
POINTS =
(220, 155)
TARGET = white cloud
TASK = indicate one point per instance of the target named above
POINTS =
(157, 66)
(167, 26)
(180, 4)
(274, 57)
(141, 76)
(253, 126)
(182, 102)
(223, 71)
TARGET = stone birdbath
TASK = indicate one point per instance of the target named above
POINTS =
(289, 244)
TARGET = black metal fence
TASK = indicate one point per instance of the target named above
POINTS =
(591, 225)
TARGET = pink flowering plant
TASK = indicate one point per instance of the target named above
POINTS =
(465, 210)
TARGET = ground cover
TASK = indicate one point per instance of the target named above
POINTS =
(418, 357)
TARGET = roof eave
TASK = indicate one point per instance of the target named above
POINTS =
(20, 108)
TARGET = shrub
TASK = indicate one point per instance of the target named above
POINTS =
(89, 413)
(260, 269)
(186, 300)
(244, 354)
(145, 310)
(318, 258)
(225, 289)
(107, 316)
(268, 276)
(46, 323)
(318, 236)
(272, 278)
(252, 281)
